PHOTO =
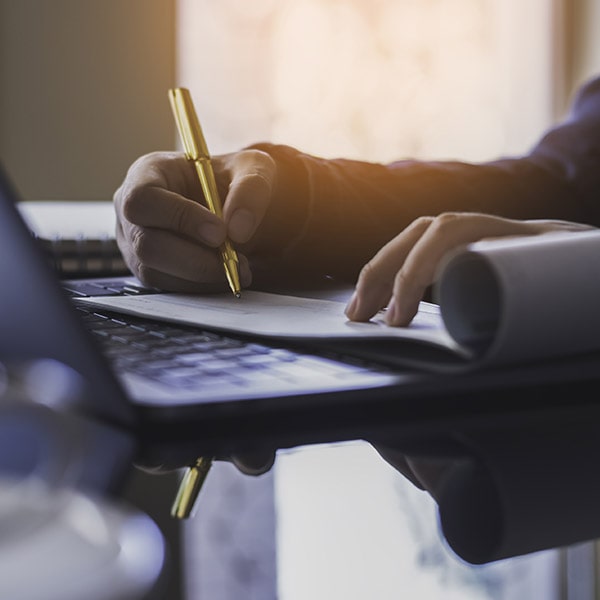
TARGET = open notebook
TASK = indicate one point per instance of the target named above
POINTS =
(506, 301)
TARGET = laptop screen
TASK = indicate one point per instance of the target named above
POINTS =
(38, 321)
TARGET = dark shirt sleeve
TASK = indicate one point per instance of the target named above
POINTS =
(334, 214)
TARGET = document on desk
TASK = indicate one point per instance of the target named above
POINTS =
(276, 316)
(510, 300)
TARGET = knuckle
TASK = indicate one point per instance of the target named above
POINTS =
(256, 178)
(366, 273)
(118, 195)
(446, 222)
(152, 160)
(179, 216)
(146, 275)
(267, 165)
(411, 273)
(141, 244)
(253, 185)
(422, 222)
(132, 203)
(410, 276)
(258, 157)
(255, 167)
(403, 278)
(373, 277)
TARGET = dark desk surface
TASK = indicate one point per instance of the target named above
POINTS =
(423, 406)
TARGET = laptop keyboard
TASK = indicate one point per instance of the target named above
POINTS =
(190, 359)
(194, 359)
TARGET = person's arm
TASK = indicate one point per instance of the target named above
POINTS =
(338, 213)
(399, 273)
(331, 216)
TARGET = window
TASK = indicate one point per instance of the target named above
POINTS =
(376, 80)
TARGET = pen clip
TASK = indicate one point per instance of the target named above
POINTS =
(188, 124)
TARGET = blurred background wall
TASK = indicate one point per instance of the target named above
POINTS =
(82, 83)
(83, 91)
(583, 34)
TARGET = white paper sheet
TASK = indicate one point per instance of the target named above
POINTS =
(276, 316)
(510, 300)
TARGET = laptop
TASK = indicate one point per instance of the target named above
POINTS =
(184, 391)
(173, 386)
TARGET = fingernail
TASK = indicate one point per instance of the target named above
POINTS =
(241, 225)
(390, 313)
(351, 306)
(212, 234)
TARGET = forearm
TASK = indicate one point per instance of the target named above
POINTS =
(335, 214)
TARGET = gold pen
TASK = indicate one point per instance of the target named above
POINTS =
(190, 487)
(196, 151)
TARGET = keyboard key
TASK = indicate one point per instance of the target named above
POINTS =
(205, 361)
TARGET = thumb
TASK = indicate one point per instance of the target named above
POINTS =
(249, 195)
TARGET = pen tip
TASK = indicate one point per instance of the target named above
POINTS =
(238, 295)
